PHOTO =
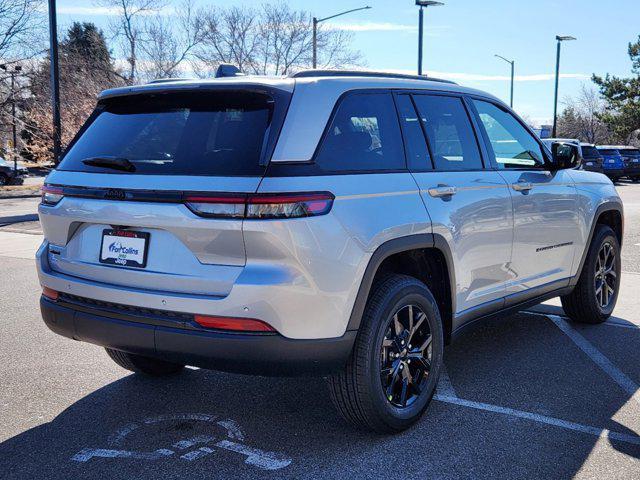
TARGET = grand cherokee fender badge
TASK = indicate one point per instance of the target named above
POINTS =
(551, 247)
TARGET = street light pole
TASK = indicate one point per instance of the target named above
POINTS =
(423, 4)
(55, 79)
(316, 21)
(560, 39)
(512, 63)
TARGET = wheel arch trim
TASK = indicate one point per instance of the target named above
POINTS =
(392, 247)
(609, 206)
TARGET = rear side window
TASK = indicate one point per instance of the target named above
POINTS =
(363, 135)
(451, 139)
(208, 133)
(590, 152)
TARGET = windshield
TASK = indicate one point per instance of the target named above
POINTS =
(205, 133)
(609, 152)
(590, 152)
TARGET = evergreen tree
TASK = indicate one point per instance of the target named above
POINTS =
(622, 113)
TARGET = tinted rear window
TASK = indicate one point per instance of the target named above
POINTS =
(631, 152)
(609, 152)
(206, 133)
(590, 152)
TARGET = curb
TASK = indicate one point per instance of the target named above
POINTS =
(20, 195)
(30, 217)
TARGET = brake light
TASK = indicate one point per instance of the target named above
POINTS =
(50, 293)
(261, 206)
(233, 323)
(51, 195)
(223, 206)
(293, 205)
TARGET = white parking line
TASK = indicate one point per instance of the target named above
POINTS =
(576, 427)
(599, 359)
(445, 387)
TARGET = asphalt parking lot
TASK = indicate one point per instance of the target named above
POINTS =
(526, 396)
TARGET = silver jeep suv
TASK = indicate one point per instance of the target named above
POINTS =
(344, 224)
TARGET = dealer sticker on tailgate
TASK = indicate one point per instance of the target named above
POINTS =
(124, 247)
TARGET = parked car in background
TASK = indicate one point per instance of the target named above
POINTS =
(612, 163)
(8, 173)
(631, 159)
(591, 158)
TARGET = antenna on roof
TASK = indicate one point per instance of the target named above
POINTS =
(227, 70)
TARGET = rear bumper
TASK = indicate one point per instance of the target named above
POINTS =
(632, 169)
(175, 340)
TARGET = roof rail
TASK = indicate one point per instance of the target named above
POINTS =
(165, 80)
(364, 73)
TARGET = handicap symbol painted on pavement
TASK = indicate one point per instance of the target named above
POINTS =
(190, 448)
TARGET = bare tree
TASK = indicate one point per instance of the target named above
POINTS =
(170, 42)
(129, 27)
(21, 39)
(580, 117)
(272, 39)
(230, 36)
(20, 22)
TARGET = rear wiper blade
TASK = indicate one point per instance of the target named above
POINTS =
(117, 163)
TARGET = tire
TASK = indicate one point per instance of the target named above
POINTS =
(359, 392)
(145, 365)
(4, 179)
(585, 304)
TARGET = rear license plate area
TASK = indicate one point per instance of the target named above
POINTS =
(124, 248)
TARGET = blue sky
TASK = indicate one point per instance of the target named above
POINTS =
(462, 37)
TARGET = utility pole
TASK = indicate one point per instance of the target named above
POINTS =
(55, 80)
(314, 39)
(560, 39)
(12, 73)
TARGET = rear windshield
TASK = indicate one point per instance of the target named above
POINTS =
(609, 152)
(590, 152)
(224, 133)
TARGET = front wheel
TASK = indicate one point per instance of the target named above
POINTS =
(596, 293)
(145, 365)
(393, 370)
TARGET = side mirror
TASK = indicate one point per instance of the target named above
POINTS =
(565, 155)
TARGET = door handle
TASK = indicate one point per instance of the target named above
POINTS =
(522, 186)
(442, 191)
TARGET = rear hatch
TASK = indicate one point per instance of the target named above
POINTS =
(146, 194)
(611, 158)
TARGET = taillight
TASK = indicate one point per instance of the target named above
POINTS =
(50, 293)
(294, 205)
(233, 323)
(260, 206)
(51, 195)
(228, 206)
